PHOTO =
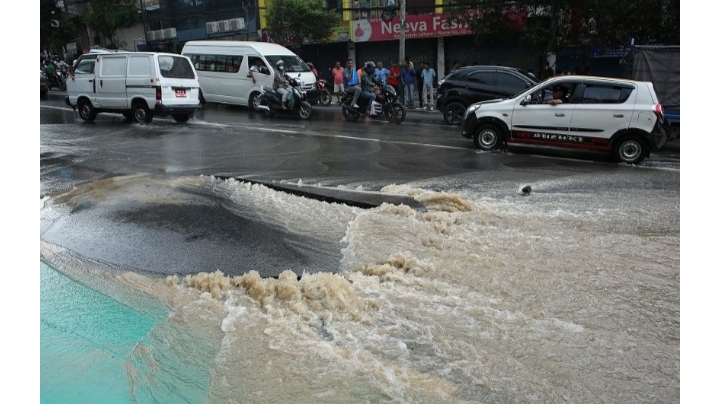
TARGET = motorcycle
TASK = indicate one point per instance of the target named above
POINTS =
(325, 94)
(56, 79)
(386, 96)
(271, 101)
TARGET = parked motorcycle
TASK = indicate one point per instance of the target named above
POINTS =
(56, 79)
(271, 101)
(325, 93)
(386, 96)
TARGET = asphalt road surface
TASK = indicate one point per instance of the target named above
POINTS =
(128, 195)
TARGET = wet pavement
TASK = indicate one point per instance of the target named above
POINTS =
(138, 196)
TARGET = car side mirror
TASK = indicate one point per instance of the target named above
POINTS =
(526, 100)
(264, 70)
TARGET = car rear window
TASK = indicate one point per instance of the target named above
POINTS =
(177, 67)
(605, 94)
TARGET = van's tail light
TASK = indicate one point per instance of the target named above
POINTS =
(158, 95)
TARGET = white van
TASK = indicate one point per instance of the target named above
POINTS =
(223, 69)
(138, 85)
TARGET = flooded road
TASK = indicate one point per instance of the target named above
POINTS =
(471, 291)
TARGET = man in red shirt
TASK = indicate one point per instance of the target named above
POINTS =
(394, 77)
(337, 73)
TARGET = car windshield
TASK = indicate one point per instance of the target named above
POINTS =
(292, 63)
(177, 67)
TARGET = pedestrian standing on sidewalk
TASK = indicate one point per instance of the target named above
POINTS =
(338, 79)
(394, 77)
(381, 73)
(428, 76)
(408, 79)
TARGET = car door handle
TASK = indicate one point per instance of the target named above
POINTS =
(559, 114)
(618, 115)
(91, 80)
(100, 83)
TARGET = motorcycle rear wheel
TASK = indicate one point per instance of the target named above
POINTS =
(325, 98)
(348, 112)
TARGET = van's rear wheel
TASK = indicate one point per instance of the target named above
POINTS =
(141, 112)
(254, 101)
(181, 118)
(630, 149)
(86, 110)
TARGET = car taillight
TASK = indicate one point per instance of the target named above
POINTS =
(158, 95)
(658, 108)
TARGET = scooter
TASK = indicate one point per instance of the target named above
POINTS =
(386, 96)
(271, 101)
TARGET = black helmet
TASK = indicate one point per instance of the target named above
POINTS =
(370, 66)
(280, 65)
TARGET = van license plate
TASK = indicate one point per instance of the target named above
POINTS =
(180, 93)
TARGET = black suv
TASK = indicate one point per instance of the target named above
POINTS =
(472, 84)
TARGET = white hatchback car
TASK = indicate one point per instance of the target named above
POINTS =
(619, 116)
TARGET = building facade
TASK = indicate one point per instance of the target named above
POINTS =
(362, 34)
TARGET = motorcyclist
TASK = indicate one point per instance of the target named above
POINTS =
(60, 63)
(280, 83)
(49, 66)
(367, 82)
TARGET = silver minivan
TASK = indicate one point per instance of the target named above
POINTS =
(139, 85)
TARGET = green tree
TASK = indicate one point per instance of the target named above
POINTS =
(545, 26)
(290, 22)
(54, 37)
(108, 16)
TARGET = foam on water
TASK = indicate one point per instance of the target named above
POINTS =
(559, 296)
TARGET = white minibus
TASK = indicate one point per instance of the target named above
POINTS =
(223, 69)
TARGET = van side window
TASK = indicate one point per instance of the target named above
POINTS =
(139, 66)
(86, 66)
(216, 63)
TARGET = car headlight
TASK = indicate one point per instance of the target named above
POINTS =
(471, 109)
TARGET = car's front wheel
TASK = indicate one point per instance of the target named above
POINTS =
(453, 113)
(630, 149)
(255, 101)
(488, 137)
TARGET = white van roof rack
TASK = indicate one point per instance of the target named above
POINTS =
(103, 50)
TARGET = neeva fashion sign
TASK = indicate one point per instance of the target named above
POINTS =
(417, 26)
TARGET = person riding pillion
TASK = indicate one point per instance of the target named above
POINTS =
(280, 83)
(367, 81)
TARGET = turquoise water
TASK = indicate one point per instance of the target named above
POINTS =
(85, 341)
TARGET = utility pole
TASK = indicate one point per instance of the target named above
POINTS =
(402, 32)
(146, 26)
